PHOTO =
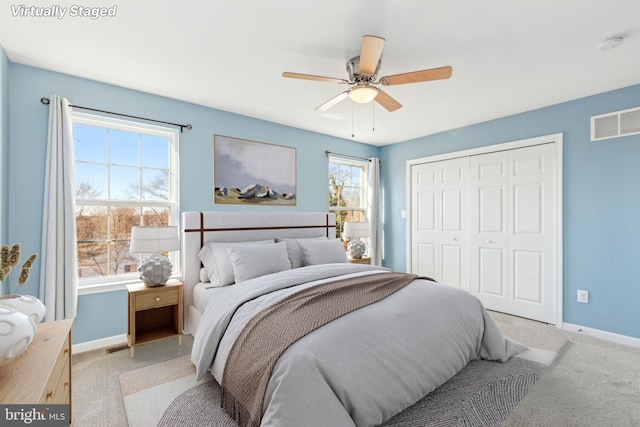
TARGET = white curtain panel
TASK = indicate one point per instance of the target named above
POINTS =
(59, 262)
(373, 199)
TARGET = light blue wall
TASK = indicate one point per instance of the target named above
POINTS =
(601, 191)
(4, 141)
(104, 315)
(601, 202)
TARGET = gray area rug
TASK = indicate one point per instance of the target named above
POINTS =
(482, 394)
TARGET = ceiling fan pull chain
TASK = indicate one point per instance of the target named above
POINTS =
(373, 117)
(353, 119)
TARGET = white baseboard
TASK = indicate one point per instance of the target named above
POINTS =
(99, 343)
(603, 335)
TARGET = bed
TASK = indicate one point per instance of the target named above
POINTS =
(295, 335)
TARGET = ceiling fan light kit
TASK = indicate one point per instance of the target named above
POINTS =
(363, 70)
(363, 94)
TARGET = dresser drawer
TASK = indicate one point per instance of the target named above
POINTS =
(157, 299)
(55, 388)
(62, 393)
(58, 393)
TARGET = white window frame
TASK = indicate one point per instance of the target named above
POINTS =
(364, 164)
(100, 284)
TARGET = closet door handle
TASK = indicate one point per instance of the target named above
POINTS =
(490, 242)
(455, 239)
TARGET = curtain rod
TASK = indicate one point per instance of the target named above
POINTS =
(327, 152)
(46, 101)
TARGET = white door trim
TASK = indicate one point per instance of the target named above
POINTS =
(555, 139)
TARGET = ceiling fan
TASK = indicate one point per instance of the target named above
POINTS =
(363, 72)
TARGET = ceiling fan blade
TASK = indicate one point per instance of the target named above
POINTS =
(333, 101)
(370, 53)
(417, 76)
(387, 102)
(312, 77)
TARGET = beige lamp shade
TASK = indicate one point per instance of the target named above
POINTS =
(355, 230)
(154, 239)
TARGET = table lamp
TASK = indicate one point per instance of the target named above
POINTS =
(354, 231)
(155, 269)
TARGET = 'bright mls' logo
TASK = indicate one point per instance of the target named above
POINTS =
(37, 415)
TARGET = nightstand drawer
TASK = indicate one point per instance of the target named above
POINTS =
(157, 299)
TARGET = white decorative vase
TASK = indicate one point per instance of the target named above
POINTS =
(16, 333)
(155, 270)
(356, 248)
(25, 304)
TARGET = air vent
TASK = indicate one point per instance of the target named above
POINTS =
(612, 125)
(117, 348)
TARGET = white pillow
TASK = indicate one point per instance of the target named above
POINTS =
(294, 252)
(203, 275)
(216, 261)
(251, 261)
(322, 252)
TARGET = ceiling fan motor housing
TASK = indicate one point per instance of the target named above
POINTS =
(353, 68)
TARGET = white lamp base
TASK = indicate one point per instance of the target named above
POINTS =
(356, 248)
(155, 270)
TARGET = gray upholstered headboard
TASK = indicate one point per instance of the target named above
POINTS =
(201, 227)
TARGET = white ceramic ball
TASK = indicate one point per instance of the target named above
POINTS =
(16, 333)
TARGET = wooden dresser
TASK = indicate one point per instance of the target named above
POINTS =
(42, 374)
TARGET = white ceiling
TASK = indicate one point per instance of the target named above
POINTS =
(507, 56)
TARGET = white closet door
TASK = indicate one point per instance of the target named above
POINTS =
(513, 231)
(439, 221)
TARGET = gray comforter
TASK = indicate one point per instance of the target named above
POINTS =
(364, 367)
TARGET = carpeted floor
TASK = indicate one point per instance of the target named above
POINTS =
(97, 399)
(591, 384)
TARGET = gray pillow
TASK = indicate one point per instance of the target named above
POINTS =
(294, 252)
(323, 252)
(216, 261)
(251, 261)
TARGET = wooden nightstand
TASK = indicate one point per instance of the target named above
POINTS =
(154, 313)
(42, 374)
(362, 260)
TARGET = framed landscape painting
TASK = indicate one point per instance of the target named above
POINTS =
(253, 173)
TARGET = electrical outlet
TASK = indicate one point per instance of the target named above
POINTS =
(583, 296)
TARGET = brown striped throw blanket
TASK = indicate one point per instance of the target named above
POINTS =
(267, 335)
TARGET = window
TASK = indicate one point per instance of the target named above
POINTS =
(347, 191)
(125, 175)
